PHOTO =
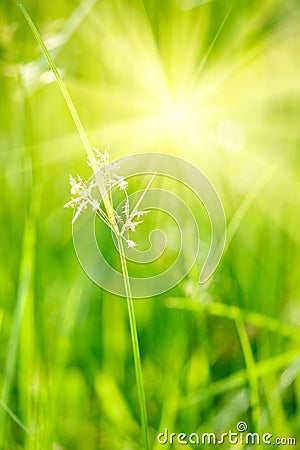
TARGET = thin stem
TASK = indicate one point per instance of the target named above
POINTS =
(18, 422)
(135, 347)
(69, 102)
(250, 368)
(103, 218)
(111, 217)
(60, 82)
(143, 195)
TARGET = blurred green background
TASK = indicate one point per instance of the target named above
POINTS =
(216, 83)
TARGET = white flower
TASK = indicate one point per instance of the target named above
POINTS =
(82, 194)
(132, 225)
(123, 185)
(139, 214)
(71, 203)
(100, 160)
(131, 244)
(77, 186)
(82, 191)
(81, 207)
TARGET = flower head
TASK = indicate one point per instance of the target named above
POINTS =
(77, 186)
(82, 197)
(130, 243)
(123, 185)
(99, 159)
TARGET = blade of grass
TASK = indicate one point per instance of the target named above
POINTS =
(219, 309)
(69, 315)
(121, 416)
(238, 379)
(110, 212)
(143, 194)
(61, 37)
(250, 368)
(213, 42)
(60, 82)
(69, 102)
(246, 204)
(30, 400)
(171, 386)
(25, 277)
(135, 346)
(71, 25)
(15, 418)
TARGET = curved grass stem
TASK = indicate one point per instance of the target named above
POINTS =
(110, 213)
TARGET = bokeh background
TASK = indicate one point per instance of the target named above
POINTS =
(216, 83)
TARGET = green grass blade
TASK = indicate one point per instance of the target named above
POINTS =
(250, 369)
(24, 291)
(135, 347)
(238, 379)
(90, 153)
(60, 82)
(15, 418)
(222, 310)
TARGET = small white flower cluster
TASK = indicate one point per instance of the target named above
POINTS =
(82, 197)
(101, 162)
(130, 221)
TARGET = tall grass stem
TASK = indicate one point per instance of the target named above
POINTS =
(135, 346)
(88, 148)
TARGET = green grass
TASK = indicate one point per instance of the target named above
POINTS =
(110, 220)
(217, 85)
